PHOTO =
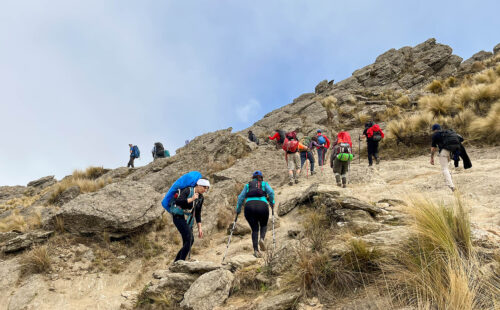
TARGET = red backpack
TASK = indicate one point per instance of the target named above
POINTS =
(290, 145)
(291, 135)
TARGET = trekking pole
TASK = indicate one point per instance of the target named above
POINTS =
(230, 235)
(359, 148)
(274, 236)
(307, 170)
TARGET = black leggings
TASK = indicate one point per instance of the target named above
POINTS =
(187, 236)
(257, 214)
(372, 151)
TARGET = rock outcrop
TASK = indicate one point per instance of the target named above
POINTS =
(119, 209)
(209, 291)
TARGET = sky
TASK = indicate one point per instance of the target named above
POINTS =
(80, 80)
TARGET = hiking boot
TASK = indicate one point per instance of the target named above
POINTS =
(339, 184)
(377, 161)
(290, 183)
(344, 185)
(257, 254)
(296, 181)
(369, 165)
(262, 245)
(452, 189)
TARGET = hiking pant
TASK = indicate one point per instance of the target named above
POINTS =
(186, 234)
(131, 162)
(307, 156)
(321, 155)
(293, 165)
(257, 215)
(444, 158)
(340, 169)
(372, 151)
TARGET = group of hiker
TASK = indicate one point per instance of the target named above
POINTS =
(298, 152)
(184, 200)
(158, 151)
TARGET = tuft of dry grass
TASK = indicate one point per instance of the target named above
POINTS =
(90, 173)
(20, 223)
(37, 260)
(487, 128)
(316, 226)
(435, 87)
(403, 101)
(362, 118)
(438, 266)
(85, 185)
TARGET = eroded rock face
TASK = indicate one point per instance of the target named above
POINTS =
(119, 208)
(209, 291)
(16, 241)
(279, 302)
(198, 267)
(43, 182)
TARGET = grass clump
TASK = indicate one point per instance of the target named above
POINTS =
(487, 128)
(37, 260)
(316, 226)
(20, 223)
(435, 87)
(87, 183)
(438, 266)
(91, 173)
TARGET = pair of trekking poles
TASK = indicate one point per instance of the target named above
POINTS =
(232, 230)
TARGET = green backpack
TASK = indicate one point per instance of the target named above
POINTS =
(345, 152)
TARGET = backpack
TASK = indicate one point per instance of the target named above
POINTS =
(291, 135)
(159, 150)
(135, 151)
(377, 136)
(282, 135)
(451, 140)
(344, 152)
(290, 146)
(187, 180)
(167, 153)
(306, 141)
(255, 189)
(321, 140)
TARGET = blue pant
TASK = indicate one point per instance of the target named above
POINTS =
(307, 156)
(186, 234)
(321, 156)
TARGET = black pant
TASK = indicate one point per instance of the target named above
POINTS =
(186, 234)
(372, 151)
(257, 214)
(131, 162)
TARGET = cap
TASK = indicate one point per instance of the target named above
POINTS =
(436, 127)
(257, 173)
(203, 182)
(319, 130)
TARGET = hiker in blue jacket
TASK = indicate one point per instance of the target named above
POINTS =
(257, 195)
(188, 201)
(134, 153)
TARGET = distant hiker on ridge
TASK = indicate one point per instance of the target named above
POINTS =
(341, 157)
(279, 136)
(134, 153)
(373, 135)
(257, 196)
(324, 145)
(252, 137)
(158, 151)
(450, 147)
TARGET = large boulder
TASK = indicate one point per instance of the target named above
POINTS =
(279, 302)
(496, 49)
(209, 291)
(177, 283)
(119, 209)
(43, 182)
(199, 267)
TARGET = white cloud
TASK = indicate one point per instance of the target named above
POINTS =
(249, 111)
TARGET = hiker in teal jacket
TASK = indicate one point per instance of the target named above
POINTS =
(257, 196)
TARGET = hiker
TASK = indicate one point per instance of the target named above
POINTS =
(373, 135)
(341, 157)
(292, 147)
(307, 154)
(324, 145)
(257, 195)
(450, 146)
(189, 201)
(279, 136)
(252, 137)
(134, 153)
(158, 151)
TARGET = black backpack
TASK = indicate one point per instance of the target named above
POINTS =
(255, 189)
(282, 136)
(450, 140)
(377, 136)
(159, 150)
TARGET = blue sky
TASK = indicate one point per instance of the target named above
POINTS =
(79, 80)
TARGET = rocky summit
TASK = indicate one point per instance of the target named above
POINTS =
(100, 239)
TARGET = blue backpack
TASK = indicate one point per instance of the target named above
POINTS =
(135, 151)
(321, 140)
(187, 180)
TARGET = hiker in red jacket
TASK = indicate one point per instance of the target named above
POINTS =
(373, 135)
(279, 136)
(324, 143)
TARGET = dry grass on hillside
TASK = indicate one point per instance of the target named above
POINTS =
(471, 108)
(20, 223)
(37, 260)
(87, 181)
(438, 268)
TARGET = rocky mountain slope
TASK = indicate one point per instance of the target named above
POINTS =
(100, 240)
